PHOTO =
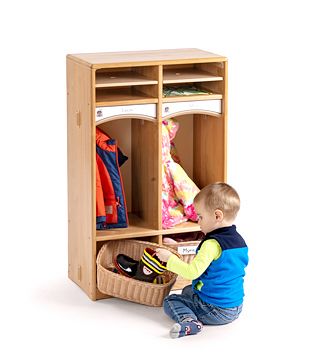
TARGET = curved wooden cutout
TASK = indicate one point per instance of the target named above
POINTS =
(192, 112)
(126, 116)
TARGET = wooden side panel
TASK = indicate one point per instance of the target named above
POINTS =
(209, 150)
(225, 116)
(145, 174)
(80, 177)
(159, 147)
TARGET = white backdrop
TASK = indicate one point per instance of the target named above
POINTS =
(273, 162)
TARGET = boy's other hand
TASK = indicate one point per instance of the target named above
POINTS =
(163, 254)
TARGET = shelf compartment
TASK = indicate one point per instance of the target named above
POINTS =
(201, 72)
(200, 145)
(116, 79)
(208, 77)
(126, 95)
(138, 140)
(177, 76)
(214, 90)
(127, 76)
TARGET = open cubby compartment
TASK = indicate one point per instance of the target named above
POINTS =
(216, 72)
(202, 72)
(192, 91)
(132, 85)
(204, 76)
(126, 76)
(201, 146)
(140, 94)
(138, 140)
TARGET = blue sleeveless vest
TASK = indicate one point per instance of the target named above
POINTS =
(222, 282)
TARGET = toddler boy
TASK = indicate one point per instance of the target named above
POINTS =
(217, 271)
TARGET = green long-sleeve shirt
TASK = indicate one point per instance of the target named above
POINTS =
(209, 251)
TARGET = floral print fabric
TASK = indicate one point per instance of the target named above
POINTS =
(178, 190)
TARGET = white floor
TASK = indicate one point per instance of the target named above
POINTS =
(55, 320)
(44, 315)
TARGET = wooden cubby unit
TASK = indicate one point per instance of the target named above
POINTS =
(122, 94)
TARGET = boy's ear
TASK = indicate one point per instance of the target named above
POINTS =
(218, 215)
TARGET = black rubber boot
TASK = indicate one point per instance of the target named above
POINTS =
(126, 265)
(149, 266)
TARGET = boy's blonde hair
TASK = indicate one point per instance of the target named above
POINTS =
(220, 196)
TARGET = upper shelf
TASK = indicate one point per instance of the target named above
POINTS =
(175, 76)
(115, 79)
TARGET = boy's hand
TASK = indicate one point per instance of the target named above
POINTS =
(163, 254)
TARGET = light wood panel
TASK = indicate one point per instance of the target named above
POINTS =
(147, 57)
(137, 228)
(209, 149)
(126, 96)
(80, 244)
(176, 76)
(145, 180)
(122, 79)
(214, 68)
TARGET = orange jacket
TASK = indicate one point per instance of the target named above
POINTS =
(111, 209)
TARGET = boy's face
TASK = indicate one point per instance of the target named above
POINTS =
(206, 219)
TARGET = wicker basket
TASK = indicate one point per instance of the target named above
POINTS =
(123, 287)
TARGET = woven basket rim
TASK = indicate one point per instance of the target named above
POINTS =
(184, 243)
(135, 241)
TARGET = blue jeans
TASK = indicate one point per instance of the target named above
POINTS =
(188, 305)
